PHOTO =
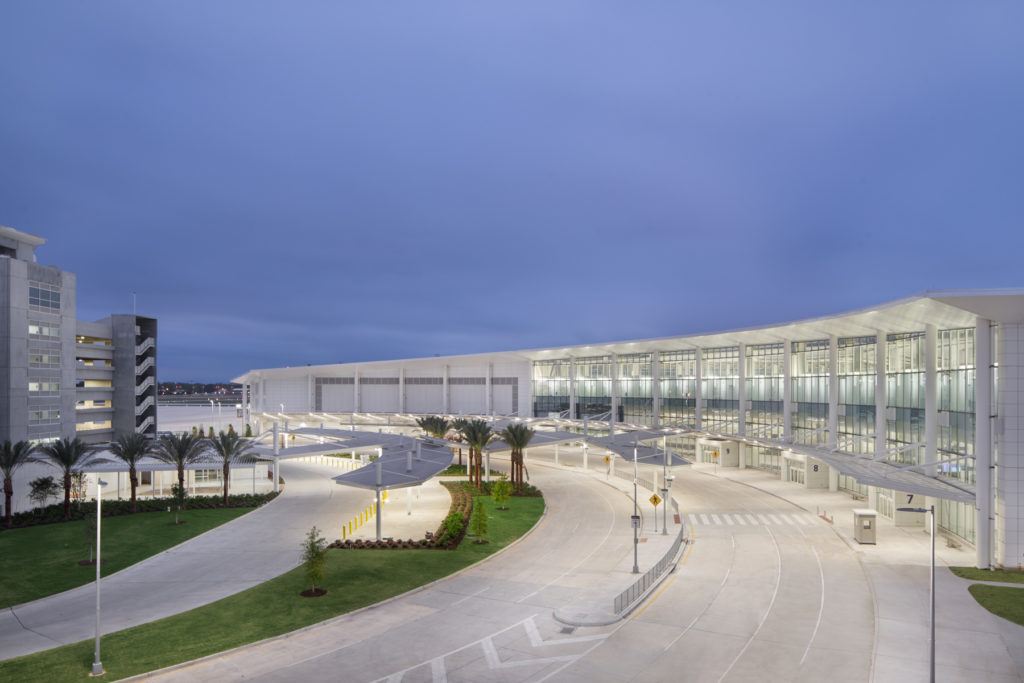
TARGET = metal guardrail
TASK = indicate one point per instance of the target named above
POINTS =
(630, 596)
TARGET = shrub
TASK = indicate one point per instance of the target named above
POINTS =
(314, 556)
(248, 430)
(500, 491)
(479, 523)
(43, 489)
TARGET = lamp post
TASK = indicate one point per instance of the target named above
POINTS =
(635, 519)
(97, 666)
(931, 591)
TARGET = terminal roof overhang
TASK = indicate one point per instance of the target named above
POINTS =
(946, 309)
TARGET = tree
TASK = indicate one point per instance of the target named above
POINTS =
(179, 494)
(68, 455)
(13, 456)
(230, 448)
(130, 449)
(211, 432)
(500, 491)
(478, 434)
(248, 430)
(314, 556)
(478, 523)
(42, 490)
(180, 450)
(517, 435)
(458, 424)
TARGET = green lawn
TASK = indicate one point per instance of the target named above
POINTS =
(354, 579)
(1004, 601)
(42, 560)
(975, 574)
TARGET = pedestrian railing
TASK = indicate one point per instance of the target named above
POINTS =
(632, 595)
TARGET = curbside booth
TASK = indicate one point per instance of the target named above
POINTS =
(864, 526)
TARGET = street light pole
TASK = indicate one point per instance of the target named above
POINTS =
(97, 666)
(931, 590)
(636, 519)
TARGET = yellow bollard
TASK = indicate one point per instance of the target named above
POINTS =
(343, 537)
(350, 526)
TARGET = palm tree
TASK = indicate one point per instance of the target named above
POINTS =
(70, 456)
(229, 448)
(130, 449)
(180, 450)
(458, 424)
(517, 435)
(478, 434)
(13, 456)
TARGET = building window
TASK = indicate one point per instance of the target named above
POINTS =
(43, 388)
(41, 329)
(43, 297)
(43, 360)
(44, 416)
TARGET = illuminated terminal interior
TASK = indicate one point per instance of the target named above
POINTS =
(844, 402)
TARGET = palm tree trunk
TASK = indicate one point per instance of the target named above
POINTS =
(227, 467)
(134, 479)
(8, 492)
(67, 495)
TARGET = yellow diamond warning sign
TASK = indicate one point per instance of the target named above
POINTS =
(655, 499)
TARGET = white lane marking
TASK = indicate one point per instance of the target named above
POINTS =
(716, 518)
(721, 586)
(704, 519)
(800, 520)
(776, 520)
(573, 568)
(775, 593)
(821, 605)
(471, 595)
(728, 520)
(764, 520)
(537, 640)
(753, 520)
(438, 670)
(739, 518)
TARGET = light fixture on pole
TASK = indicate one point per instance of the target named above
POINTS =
(931, 591)
(635, 519)
(213, 412)
(97, 666)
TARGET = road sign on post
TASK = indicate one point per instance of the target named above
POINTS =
(655, 499)
(635, 520)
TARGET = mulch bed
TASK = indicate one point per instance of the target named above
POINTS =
(313, 593)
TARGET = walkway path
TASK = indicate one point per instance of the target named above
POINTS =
(235, 556)
(768, 591)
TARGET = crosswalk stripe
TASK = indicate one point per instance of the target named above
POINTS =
(775, 519)
(764, 520)
(753, 520)
(800, 520)
(704, 519)
(739, 518)
(728, 520)
(716, 518)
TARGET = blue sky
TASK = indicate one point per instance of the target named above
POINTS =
(317, 182)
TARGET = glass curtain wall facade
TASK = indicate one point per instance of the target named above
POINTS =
(905, 396)
(593, 385)
(764, 376)
(809, 377)
(720, 379)
(856, 376)
(956, 382)
(550, 386)
(678, 387)
(635, 387)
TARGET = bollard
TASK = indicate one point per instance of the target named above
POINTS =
(343, 537)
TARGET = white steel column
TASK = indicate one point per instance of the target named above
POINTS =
(983, 440)
(309, 392)
(572, 389)
(401, 390)
(787, 390)
(880, 399)
(355, 392)
(741, 393)
(931, 397)
(698, 394)
(276, 453)
(833, 392)
(615, 396)
(488, 389)
(444, 390)
(655, 388)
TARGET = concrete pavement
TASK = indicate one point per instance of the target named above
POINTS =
(238, 555)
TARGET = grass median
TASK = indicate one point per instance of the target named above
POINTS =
(1001, 575)
(1003, 601)
(43, 560)
(354, 579)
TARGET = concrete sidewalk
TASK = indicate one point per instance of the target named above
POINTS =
(233, 557)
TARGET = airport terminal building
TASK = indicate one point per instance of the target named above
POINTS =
(915, 402)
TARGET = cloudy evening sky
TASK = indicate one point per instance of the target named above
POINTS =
(316, 182)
